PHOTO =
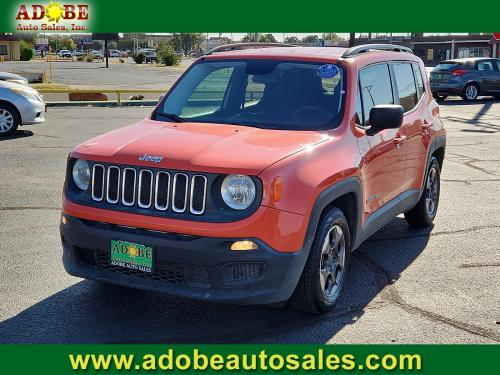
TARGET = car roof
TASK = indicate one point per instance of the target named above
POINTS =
(309, 53)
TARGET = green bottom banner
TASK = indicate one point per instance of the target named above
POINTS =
(300, 359)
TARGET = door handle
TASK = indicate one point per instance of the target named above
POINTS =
(482, 74)
(400, 139)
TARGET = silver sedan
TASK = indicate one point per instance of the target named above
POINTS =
(19, 105)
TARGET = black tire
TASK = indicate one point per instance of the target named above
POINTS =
(422, 215)
(440, 97)
(9, 119)
(310, 295)
(470, 92)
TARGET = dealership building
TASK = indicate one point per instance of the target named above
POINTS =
(443, 47)
(9, 47)
(434, 48)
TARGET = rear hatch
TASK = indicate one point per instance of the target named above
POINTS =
(443, 72)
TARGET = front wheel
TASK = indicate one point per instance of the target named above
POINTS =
(425, 210)
(470, 92)
(324, 273)
(9, 120)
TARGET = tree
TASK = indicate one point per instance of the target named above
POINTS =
(26, 51)
(58, 43)
(267, 38)
(333, 37)
(250, 38)
(291, 39)
(166, 54)
(186, 42)
(310, 39)
(139, 58)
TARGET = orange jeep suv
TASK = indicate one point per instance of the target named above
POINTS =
(257, 175)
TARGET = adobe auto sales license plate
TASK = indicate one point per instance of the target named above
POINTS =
(132, 255)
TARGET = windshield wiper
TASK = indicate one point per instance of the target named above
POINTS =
(171, 116)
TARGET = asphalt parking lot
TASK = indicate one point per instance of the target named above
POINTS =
(438, 285)
(95, 75)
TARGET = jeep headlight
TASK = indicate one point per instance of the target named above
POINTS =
(81, 174)
(238, 191)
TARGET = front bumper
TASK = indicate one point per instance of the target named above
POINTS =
(32, 111)
(191, 266)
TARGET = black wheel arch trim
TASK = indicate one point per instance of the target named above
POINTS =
(350, 185)
(437, 143)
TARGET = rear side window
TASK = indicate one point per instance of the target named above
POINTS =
(405, 83)
(485, 65)
(376, 88)
(446, 65)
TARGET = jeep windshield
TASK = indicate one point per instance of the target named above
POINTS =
(270, 94)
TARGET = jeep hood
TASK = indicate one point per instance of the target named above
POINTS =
(198, 146)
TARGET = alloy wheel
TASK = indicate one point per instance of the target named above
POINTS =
(471, 92)
(6, 121)
(431, 192)
(332, 263)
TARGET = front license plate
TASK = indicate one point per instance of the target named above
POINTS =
(132, 255)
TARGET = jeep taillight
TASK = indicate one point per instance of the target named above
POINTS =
(459, 72)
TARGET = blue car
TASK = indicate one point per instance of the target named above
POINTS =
(468, 78)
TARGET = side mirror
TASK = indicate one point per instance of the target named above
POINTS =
(385, 116)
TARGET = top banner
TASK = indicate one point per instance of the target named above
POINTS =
(233, 16)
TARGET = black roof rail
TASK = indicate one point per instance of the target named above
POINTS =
(375, 47)
(242, 46)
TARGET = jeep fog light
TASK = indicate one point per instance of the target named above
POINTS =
(238, 191)
(244, 245)
(81, 174)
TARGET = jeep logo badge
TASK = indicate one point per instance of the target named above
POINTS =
(151, 158)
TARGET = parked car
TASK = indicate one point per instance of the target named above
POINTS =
(64, 53)
(149, 54)
(19, 105)
(468, 78)
(78, 53)
(114, 53)
(97, 54)
(11, 77)
(257, 176)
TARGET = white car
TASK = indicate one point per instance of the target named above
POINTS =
(11, 77)
(19, 105)
(96, 54)
(64, 53)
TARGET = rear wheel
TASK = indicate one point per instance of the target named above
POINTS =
(9, 120)
(425, 210)
(324, 273)
(470, 92)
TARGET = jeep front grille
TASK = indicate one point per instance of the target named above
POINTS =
(148, 189)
